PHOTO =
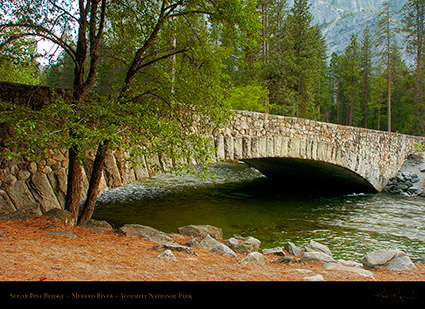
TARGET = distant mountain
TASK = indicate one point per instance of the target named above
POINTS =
(339, 19)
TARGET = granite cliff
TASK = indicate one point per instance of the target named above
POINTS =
(339, 19)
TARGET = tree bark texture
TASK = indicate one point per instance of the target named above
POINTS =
(74, 186)
(94, 184)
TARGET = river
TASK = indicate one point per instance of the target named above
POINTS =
(243, 202)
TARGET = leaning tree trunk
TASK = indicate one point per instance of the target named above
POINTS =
(94, 184)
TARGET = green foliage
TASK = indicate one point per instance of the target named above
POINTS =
(18, 63)
(291, 60)
(60, 73)
(18, 72)
(417, 147)
(414, 28)
(31, 133)
(252, 97)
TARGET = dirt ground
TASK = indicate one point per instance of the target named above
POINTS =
(33, 250)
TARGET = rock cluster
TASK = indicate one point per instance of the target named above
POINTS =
(405, 183)
(290, 253)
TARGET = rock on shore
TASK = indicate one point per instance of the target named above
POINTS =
(389, 259)
(410, 181)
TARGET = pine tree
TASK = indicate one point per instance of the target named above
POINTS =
(275, 61)
(366, 72)
(300, 63)
(351, 78)
(386, 29)
(403, 89)
(414, 19)
(334, 81)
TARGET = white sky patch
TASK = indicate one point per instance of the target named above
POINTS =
(50, 50)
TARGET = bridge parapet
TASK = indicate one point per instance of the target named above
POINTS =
(374, 155)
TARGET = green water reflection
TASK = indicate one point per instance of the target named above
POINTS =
(243, 202)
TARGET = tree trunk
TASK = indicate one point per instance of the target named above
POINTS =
(93, 191)
(350, 115)
(419, 48)
(389, 74)
(389, 100)
(74, 186)
(365, 97)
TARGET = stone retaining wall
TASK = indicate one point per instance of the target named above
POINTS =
(45, 181)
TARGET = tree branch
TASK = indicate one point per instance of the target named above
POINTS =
(54, 40)
(150, 62)
(38, 31)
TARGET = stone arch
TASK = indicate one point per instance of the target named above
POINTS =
(311, 175)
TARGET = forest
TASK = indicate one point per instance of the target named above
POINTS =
(144, 73)
(287, 73)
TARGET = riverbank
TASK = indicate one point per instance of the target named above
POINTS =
(42, 249)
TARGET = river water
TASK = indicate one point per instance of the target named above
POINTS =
(243, 202)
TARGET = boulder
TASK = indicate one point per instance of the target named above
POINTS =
(175, 247)
(201, 231)
(61, 215)
(6, 205)
(315, 246)
(293, 249)
(357, 270)
(167, 254)
(389, 259)
(232, 242)
(98, 225)
(315, 278)
(146, 232)
(224, 249)
(316, 256)
(284, 260)
(254, 257)
(20, 195)
(248, 245)
(275, 251)
(208, 243)
(43, 192)
(62, 233)
(193, 243)
(303, 271)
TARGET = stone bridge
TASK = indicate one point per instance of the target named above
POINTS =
(281, 147)
(324, 153)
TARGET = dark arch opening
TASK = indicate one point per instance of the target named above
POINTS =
(315, 175)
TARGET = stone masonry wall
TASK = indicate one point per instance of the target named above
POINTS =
(44, 182)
